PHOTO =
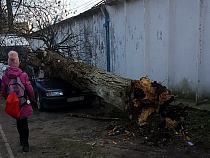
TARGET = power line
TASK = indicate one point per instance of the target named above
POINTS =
(86, 4)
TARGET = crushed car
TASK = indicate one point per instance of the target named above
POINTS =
(53, 92)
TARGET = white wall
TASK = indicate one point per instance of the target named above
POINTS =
(165, 40)
(156, 40)
(89, 27)
(184, 38)
(204, 49)
(127, 39)
(140, 39)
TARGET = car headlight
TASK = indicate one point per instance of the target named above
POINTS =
(54, 93)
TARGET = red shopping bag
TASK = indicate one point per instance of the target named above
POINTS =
(12, 107)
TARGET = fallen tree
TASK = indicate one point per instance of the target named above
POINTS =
(139, 98)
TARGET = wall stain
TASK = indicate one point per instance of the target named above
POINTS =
(159, 35)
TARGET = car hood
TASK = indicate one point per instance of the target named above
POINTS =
(55, 84)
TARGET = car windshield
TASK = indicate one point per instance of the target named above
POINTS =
(36, 73)
(40, 75)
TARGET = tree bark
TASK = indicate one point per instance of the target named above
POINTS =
(140, 98)
(10, 15)
(108, 86)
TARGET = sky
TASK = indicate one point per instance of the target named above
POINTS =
(78, 6)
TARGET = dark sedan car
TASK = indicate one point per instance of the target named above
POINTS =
(52, 92)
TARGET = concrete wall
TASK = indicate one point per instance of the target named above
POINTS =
(168, 41)
(184, 46)
(88, 27)
(165, 40)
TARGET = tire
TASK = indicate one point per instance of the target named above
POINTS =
(39, 102)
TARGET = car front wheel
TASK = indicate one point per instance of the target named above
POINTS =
(39, 103)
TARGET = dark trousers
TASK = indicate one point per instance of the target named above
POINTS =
(22, 127)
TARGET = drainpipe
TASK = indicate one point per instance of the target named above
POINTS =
(106, 25)
(55, 19)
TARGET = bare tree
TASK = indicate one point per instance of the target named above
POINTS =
(3, 18)
(36, 20)
(10, 15)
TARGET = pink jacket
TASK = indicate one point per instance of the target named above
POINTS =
(12, 72)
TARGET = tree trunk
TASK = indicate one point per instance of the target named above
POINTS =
(10, 15)
(141, 98)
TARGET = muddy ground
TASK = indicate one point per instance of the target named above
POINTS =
(86, 132)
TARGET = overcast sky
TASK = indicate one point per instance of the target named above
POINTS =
(81, 5)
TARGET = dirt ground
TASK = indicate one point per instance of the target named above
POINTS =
(84, 132)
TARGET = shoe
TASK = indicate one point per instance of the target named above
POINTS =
(25, 148)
